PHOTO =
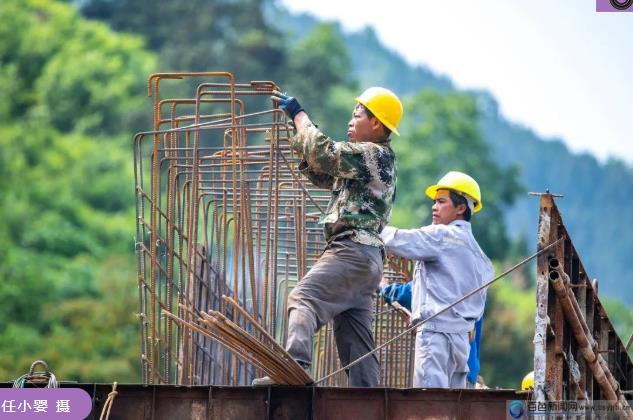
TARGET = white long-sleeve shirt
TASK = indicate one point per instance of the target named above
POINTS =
(449, 264)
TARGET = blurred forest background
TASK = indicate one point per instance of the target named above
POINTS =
(73, 79)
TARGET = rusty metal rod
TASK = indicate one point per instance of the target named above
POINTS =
(222, 192)
(586, 343)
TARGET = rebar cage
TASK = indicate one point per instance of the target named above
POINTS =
(222, 210)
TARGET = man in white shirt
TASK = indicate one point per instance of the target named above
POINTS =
(448, 264)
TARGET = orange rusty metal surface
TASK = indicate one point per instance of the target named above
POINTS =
(561, 371)
(168, 402)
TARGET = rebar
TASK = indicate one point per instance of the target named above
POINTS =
(223, 210)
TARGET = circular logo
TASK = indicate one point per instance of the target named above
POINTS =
(516, 409)
(621, 4)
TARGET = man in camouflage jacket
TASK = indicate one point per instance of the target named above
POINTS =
(362, 177)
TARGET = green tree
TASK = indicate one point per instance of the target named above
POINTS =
(223, 35)
(91, 337)
(621, 316)
(319, 76)
(78, 218)
(72, 73)
(200, 35)
(507, 351)
(66, 217)
(440, 133)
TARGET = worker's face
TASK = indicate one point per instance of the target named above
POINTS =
(361, 128)
(444, 211)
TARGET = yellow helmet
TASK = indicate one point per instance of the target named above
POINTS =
(385, 106)
(528, 381)
(460, 183)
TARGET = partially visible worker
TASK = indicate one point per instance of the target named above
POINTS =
(402, 292)
(528, 382)
(449, 263)
(361, 174)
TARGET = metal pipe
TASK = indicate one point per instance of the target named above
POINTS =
(586, 343)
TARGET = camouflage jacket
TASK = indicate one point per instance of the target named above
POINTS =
(362, 178)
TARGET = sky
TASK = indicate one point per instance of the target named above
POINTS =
(556, 66)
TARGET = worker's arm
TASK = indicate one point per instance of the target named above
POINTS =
(302, 121)
(322, 154)
(324, 181)
(293, 109)
(424, 243)
(397, 292)
(336, 159)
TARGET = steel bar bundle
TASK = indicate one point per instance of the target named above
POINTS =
(265, 353)
(223, 210)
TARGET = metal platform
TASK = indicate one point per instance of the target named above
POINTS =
(157, 402)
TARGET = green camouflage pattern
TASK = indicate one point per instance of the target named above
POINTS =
(362, 178)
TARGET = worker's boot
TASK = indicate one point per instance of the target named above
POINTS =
(307, 368)
(263, 381)
(267, 380)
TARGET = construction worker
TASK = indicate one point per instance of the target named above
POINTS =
(402, 292)
(361, 174)
(449, 264)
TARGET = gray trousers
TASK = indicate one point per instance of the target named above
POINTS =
(339, 286)
(441, 359)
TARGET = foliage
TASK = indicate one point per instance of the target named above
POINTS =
(595, 196)
(65, 221)
(92, 337)
(439, 134)
(507, 351)
(67, 72)
(200, 35)
(323, 55)
(621, 317)
(372, 64)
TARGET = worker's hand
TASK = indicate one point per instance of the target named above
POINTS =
(287, 103)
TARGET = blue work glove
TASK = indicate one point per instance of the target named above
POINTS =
(287, 103)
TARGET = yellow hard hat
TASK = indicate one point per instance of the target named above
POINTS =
(528, 381)
(460, 183)
(385, 106)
